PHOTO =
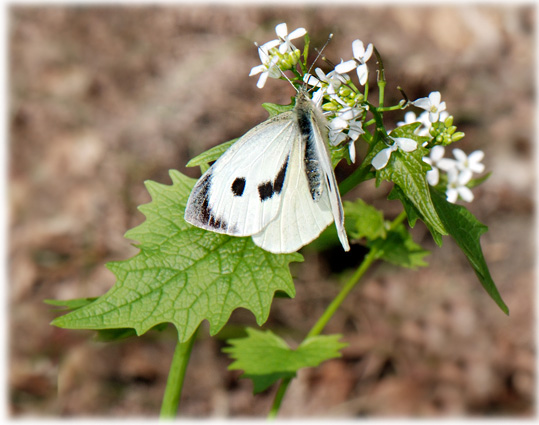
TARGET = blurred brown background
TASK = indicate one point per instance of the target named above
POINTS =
(104, 98)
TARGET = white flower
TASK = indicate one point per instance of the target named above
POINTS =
(432, 105)
(346, 119)
(269, 67)
(456, 186)
(382, 158)
(361, 56)
(433, 175)
(282, 32)
(471, 163)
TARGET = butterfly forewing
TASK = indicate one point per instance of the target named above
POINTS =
(241, 193)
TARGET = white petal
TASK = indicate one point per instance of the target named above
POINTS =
(362, 74)
(477, 156)
(262, 80)
(452, 195)
(464, 177)
(437, 153)
(352, 151)
(257, 70)
(368, 52)
(427, 160)
(423, 103)
(345, 67)
(446, 164)
(441, 107)
(465, 193)
(297, 33)
(433, 176)
(433, 116)
(435, 97)
(407, 145)
(381, 159)
(281, 30)
(358, 49)
(460, 155)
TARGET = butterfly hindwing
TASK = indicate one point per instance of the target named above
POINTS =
(241, 192)
(301, 219)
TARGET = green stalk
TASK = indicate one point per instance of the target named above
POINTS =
(279, 398)
(176, 376)
(331, 309)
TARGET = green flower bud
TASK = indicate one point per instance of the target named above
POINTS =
(457, 136)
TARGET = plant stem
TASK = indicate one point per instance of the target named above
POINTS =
(331, 309)
(279, 398)
(338, 300)
(176, 375)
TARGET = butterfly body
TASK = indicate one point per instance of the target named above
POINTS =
(276, 184)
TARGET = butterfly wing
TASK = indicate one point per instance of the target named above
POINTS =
(321, 151)
(300, 219)
(242, 191)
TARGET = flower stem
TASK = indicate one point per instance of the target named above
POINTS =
(176, 375)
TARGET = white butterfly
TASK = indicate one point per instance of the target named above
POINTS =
(276, 184)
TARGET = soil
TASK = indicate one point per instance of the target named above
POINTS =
(102, 99)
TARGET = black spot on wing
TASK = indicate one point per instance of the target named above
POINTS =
(279, 180)
(238, 186)
(205, 213)
(265, 190)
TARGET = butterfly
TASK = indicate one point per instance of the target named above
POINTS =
(276, 184)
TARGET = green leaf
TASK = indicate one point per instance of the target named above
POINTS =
(265, 358)
(363, 220)
(412, 213)
(399, 248)
(408, 131)
(205, 158)
(70, 304)
(408, 171)
(184, 274)
(274, 109)
(466, 230)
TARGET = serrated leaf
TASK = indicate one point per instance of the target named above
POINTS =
(400, 249)
(466, 230)
(205, 158)
(363, 220)
(184, 274)
(265, 358)
(408, 171)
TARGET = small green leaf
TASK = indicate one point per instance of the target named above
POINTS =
(399, 248)
(408, 171)
(265, 358)
(363, 220)
(466, 230)
(184, 274)
(274, 109)
(205, 158)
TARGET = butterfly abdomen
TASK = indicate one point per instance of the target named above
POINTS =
(306, 118)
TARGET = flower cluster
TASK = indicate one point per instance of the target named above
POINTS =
(459, 170)
(346, 107)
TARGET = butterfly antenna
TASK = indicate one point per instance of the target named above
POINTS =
(320, 53)
(280, 70)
